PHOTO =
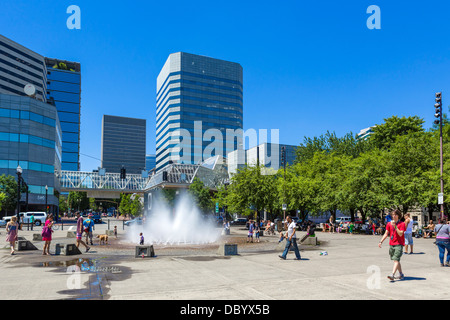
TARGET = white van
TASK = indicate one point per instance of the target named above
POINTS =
(343, 219)
(39, 217)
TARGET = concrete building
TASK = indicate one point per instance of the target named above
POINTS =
(20, 66)
(364, 134)
(198, 99)
(267, 154)
(123, 144)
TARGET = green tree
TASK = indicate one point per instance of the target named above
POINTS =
(384, 135)
(63, 204)
(78, 200)
(8, 186)
(201, 195)
(2, 200)
(253, 189)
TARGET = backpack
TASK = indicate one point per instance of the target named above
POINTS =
(46, 232)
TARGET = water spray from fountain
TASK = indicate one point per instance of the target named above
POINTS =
(181, 224)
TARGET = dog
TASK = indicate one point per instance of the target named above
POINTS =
(103, 238)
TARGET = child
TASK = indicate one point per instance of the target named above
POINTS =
(115, 231)
(141, 239)
(257, 230)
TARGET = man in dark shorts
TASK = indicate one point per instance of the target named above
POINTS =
(395, 229)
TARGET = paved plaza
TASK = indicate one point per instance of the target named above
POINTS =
(354, 268)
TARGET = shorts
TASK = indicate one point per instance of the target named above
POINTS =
(408, 239)
(79, 236)
(396, 252)
(257, 235)
(250, 235)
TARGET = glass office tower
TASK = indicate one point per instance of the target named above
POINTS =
(64, 87)
(123, 144)
(30, 136)
(195, 94)
(150, 162)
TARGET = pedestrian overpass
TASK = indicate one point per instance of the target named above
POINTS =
(97, 185)
(212, 172)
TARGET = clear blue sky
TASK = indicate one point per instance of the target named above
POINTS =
(309, 66)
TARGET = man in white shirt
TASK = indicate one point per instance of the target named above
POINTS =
(290, 240)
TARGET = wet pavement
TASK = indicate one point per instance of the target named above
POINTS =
(355, 268)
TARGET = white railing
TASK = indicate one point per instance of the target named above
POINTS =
(80, 181)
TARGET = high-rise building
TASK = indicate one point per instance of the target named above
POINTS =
(30, 136)
(20, 66)
(265, 154)
(364, 134)
(54, 80)
(64, 87)
(150, 162)
(123, 144)
(198, 99)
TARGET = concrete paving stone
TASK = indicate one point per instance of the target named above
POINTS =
(354, 269)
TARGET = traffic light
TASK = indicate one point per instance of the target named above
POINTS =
(123, 173)
(438, 107)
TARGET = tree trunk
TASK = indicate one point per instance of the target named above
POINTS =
(363, 215)
(352, 215)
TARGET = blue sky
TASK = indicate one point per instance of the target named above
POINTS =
(309, 66)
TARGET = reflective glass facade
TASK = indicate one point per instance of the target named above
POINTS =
(30, 136)
(123, 144)
(194, 94)
(64, 87)
(150, 162)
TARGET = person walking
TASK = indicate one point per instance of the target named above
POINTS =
(80, 232)
(331, 221)
(396, 230)
(408, 233)
(291, 240)
(88, 224)
(47, 235)
(442, 231)
(257, 230)
(32, 221)
(251, 228)
(12, 230)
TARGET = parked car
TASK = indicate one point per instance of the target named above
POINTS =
(39, 217)
(3, 223)
(134, 221)
(97, 217)
(239, 221)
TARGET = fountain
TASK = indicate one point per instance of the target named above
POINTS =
(182, 224)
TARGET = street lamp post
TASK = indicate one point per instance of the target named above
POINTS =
(438, 115)
(19, 178)
(283, 162)
(46, 194)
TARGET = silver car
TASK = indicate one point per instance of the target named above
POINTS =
(3, 223)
